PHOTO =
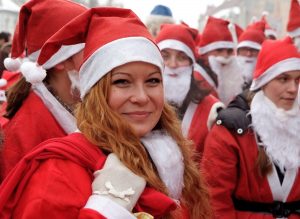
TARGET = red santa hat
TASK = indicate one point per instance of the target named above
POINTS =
(269, 31)
(178, 36)
(293, 26)
(253, 36)
(270, 64)
(112, 37)
(3, 84)
(216, 35)
(38, 20)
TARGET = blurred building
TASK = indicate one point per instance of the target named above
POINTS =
(9, 11)
(242, 12)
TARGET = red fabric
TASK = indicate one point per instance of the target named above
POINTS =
(255, 32)
(294, 16)
(179, 32)
(229, 165)
(31, 125)
(30, 31)
(75, 149)
(54, 181)
(198, 129)
(215, 30)
(11, 78)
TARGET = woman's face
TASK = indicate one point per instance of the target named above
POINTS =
(283, 89)
(174, 58)
(136, 93)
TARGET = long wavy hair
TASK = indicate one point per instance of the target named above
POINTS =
(105, 128)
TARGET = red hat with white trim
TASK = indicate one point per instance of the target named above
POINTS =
(39, 20)
(269, 31)
(178, 36)
(293, 26)
(270, 64)
(216, 35)
(112, 37)
(253, 36)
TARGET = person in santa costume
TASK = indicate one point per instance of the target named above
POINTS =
(217, 46)
(40, 105)
(252, 155)
(195, 107)
(249, 44)
(293, 25)
(270, 32)
(128, 155)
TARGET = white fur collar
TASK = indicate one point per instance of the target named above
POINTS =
(278, 129)
(168, 160)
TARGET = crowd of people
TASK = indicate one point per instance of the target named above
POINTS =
(104, 116)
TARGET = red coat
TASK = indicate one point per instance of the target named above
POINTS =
(54, 181)
(198, 118)
(229, 164)
(31, 125)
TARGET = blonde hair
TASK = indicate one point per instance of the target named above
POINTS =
(105, 128)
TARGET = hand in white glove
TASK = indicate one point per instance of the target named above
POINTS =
(118, 183)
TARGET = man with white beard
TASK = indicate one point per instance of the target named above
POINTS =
(40, 105)
(252, 156)
(217, 53)
(194, 105)
(247, 50)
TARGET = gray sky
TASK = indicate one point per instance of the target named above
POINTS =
(186, 10)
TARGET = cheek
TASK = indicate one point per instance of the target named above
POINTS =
(115, 99)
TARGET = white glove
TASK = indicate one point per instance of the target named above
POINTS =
(118, 183)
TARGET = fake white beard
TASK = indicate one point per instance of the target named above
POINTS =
(168, 160)
(278, 129)
(177, 87)
(230, 79)
(75, 84)
(247, 65)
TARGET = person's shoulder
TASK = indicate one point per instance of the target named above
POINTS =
(236, 117)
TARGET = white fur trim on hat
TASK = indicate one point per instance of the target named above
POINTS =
(114, 54)
(33, 57)
(248, 43)
(294, 33)
(178, 45)
(290, 64)
(270, 32)
(216, 45)
(32, 72)
(63, 54)
(12, 65)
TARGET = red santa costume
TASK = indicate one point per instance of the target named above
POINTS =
(198, 114)
(41, 115)
(66, 165)
(232, 147)
(217, 35)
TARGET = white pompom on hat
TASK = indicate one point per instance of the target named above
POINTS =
(270, 64)
(3, 84)
(112, 37)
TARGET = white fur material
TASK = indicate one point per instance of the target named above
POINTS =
(216, 45)
(289, 64)
(294, 33)
(32, 72)
(213, 113)
(177, 86)
(247, 65)
(64, 118)
(248, 43)
(278, 129)
(178, 45)
(230, 79)
(168, 160)
(12, 65)
(232, 30)
(116, 53)
(3, 82)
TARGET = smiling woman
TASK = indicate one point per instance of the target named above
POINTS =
(128, 137)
